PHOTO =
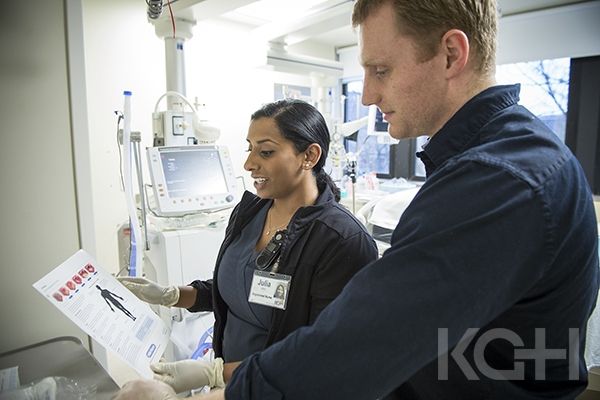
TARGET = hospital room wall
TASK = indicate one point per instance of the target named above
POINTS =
(39, 226)
(224, 69)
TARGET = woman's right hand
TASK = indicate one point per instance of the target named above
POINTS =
(151, 292)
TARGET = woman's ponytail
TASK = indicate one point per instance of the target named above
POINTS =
(323, 179)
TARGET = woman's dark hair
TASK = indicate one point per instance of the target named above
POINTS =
(303, 125)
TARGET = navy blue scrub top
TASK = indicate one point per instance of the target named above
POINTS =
(247, 324)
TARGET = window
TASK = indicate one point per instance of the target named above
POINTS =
(583, 121)
(544, 89)
(372, 156)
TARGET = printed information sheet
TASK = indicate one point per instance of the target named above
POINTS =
(107, 311)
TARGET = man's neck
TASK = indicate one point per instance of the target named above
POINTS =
(464, 90)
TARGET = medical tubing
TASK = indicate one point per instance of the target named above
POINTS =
(138, 171)
(203, 345)
(132, 251)
(136, 234)
(176, 94)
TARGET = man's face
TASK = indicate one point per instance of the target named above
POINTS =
(409, 92)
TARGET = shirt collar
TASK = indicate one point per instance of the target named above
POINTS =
(459, 132)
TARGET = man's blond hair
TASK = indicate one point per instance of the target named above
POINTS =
(426, 21)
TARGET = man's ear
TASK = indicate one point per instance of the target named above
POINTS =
(455, 45)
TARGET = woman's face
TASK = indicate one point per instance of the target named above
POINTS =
(273, 162)
(279, 291)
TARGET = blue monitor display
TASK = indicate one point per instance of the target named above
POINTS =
(193, 173)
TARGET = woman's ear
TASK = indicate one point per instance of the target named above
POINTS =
(312, 155)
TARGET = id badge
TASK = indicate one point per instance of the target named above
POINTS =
(269, 289)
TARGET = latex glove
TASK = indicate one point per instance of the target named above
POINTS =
(190, 374)
(145, 390)
(215, 394)
(151, 292)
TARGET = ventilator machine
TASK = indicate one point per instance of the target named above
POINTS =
(177, 221)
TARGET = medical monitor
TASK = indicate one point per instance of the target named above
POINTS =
(191, 179)
(376, 125)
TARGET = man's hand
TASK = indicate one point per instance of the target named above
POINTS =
(151, 292)
(190, 374)
(146, 390)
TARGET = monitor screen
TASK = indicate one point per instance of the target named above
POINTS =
(193, 173)
(191, 179)
(380, 124)
(376, 124)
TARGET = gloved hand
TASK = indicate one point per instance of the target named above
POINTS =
(145, 390)
(151, 292)
(190, 374)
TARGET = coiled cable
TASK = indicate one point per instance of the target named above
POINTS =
(154, 8)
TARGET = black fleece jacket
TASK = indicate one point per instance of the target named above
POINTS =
(325, 246)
